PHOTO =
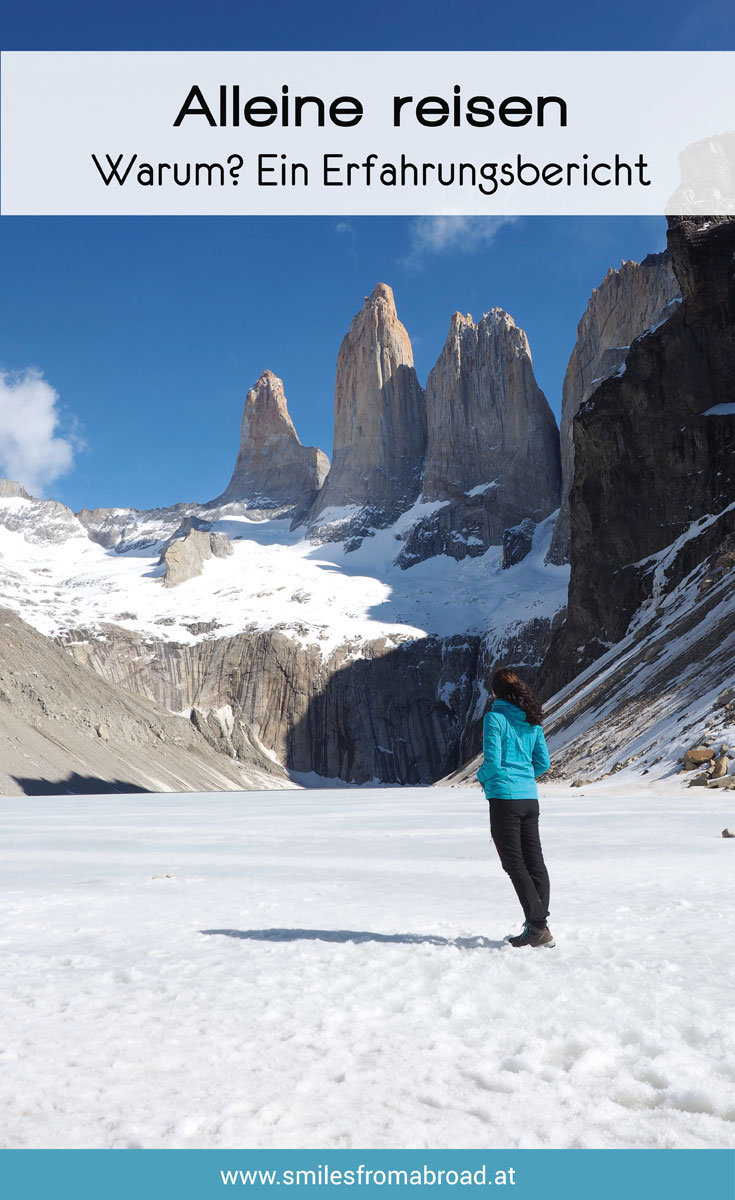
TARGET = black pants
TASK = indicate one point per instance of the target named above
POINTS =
(514, 829)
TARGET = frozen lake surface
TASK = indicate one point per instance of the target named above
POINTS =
(326, 969)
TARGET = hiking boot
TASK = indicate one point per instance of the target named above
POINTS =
(530, 936)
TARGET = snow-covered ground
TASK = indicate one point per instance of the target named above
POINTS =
(57, 579)
(326, 969)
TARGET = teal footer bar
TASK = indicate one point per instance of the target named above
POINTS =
(513, 1174)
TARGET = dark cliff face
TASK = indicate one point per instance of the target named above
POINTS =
(652, 462)
(631, 299)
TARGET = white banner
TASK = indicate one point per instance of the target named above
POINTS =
(367, 132)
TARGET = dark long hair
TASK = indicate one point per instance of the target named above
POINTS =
(507, 685)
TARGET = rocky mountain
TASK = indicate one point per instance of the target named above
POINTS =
(638, 676)
(9, 488)
(707, 179)
(272, 472)
(361, 658)
(355, 674)
(649, 635)
(351, 631)
(273, 469)
(654, 468)
(475, 461)
(38, 522)
(487, 418)
(66, 729)
(664, 687)
(492, 442)
(379, 426)
(339, 661)
(630, 300)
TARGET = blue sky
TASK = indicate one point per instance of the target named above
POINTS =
(151, 330)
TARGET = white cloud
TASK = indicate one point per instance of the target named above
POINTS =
(452, 235)
(345, 231)
(32, 450)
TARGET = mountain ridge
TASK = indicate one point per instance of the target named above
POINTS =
(336, 633)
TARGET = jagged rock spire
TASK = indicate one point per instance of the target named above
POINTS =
(488, 420)
(379, 417)
(272, 467)
(492, 444)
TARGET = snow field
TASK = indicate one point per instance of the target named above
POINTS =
(316, 594)
(356, 994)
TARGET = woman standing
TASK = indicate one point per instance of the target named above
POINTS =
(514, 754)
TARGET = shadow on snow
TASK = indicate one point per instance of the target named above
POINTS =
(75, 785)
(352, 935)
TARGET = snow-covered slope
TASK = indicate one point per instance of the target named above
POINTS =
(325, 969)
(663, 688)
(60, 579)
(339, 661)
(660, 689)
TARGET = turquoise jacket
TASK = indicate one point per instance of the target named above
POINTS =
(514, 753)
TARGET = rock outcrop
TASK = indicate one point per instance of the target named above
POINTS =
(653, 496)
(629, 301)
(707, 177)
(517, 542)
(379, 424)
(188, 550)
(273, 469)
(492, 441)
(127, 530)
(65, 729)
(9, 489)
